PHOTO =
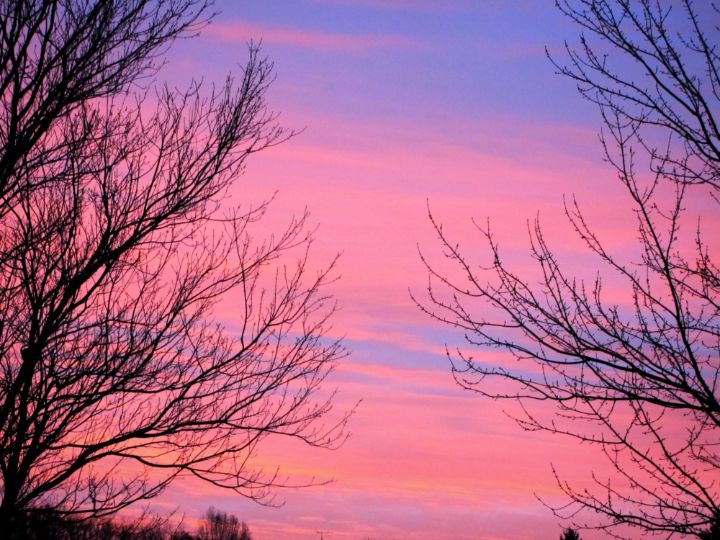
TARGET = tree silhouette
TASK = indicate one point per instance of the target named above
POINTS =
(570, 534)
(713, 532)
(218, 525)
(637, 378)
(50, 526)
(116, 243)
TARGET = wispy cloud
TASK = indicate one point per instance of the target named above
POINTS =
(415, 5)
(241, 31)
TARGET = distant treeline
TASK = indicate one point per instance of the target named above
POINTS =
(215, 525)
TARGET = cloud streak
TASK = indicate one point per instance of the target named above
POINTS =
(237, 31)
(415, 5)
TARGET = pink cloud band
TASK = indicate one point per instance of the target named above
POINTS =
(240, 31)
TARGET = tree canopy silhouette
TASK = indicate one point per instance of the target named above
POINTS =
(712, 532)
(570, 534)
(116, 243)
(638, 378)
(218, 525)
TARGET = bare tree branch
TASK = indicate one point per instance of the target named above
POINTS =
(638, 378)
(115, 247)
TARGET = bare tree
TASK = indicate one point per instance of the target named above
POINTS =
(219, 525)
(639, 378)
(116, 244)
(655, 81)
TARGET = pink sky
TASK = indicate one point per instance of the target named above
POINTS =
(405, 104)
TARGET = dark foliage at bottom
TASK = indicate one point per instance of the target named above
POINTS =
(43, 524)
(570, 534)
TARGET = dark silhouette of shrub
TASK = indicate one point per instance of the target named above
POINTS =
(45, 524)
(570, 534)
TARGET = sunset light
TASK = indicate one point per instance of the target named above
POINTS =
(421, 269)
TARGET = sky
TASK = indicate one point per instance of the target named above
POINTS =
(404, 106)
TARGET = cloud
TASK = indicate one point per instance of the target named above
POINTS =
(414, 5)
(240, 31)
